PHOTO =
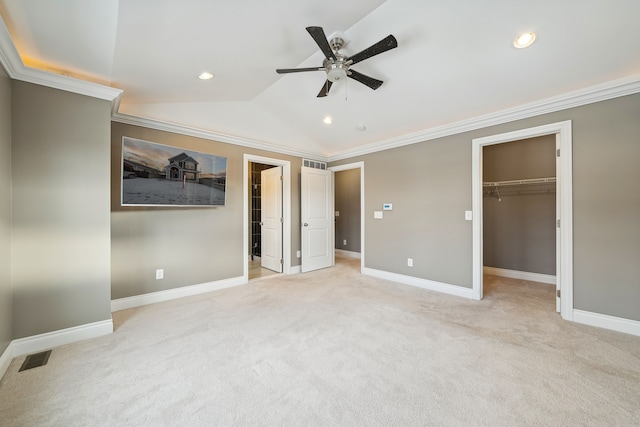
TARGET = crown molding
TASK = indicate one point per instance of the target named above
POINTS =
(210, 135)
(602, 92)
(15, 68)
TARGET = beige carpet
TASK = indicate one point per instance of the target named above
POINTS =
(336, 348)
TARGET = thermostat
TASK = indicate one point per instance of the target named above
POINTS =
(387, 207)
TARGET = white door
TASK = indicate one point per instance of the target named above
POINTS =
(317, 219)
(558, 242)
(271, 219)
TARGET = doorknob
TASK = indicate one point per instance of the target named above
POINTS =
(305, 224)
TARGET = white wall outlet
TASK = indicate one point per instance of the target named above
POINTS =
(409, 262)
(159, 274)
(298, 254)
(344, 242)
(468, 215)
(377, 215)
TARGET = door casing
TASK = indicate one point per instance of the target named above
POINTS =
(286, 209)
(564, 275)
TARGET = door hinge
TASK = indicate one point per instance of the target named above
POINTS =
(558, 152)
(282, 220)
(558, 223)
(281, 261)
(558, 293)
(281, 178)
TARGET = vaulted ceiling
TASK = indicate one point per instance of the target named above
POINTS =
(455, 62)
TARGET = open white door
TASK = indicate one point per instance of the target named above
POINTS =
(271, 219)
(317, 219)
(558, 240)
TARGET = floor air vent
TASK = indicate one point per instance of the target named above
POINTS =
(35, 360)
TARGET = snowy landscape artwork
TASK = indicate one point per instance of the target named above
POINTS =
(159, 175)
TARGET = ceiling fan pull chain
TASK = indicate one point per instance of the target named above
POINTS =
(346, 93)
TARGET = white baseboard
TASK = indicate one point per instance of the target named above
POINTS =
(171, 294)
(522, 275)
(618, 324)
(5, 359)
(46, 341)
(295, 269)
(349, 254)
(430, 285)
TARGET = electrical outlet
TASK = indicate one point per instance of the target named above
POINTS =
(344, 242)
(159, 274)
(298, 254)
(409, 262)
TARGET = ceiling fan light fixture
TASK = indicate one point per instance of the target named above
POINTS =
(524, 40)
(336, 74)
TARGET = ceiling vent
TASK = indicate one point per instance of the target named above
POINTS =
(313, 164)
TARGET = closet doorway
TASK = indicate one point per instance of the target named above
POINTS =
(560, 134)
(519, 210)
(267, 207)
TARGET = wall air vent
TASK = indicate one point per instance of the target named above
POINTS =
(314, 164)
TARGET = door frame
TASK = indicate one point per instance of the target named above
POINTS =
(564, 183)
(356, 165)
(286, 210)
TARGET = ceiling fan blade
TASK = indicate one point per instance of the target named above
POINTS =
(321, 40)
(298, 70)
(383, 45)
(325, 89)
(365, 80)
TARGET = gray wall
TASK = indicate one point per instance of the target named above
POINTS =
(192, 245)
(430, 186)
(60, 234)
(347, 202)
(5, 211)
(519, 230)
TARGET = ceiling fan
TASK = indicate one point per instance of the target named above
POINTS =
(338, 66)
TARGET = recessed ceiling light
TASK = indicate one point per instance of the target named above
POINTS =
(327, 120)
(205, 76)
(361, 127)
(524, 40)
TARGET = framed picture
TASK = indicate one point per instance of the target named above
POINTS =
(159, 175)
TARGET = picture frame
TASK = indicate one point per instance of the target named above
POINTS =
(154, 174)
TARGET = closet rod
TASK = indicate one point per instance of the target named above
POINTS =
(549, 180)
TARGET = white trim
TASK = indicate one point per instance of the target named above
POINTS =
(565, 184)
(295, 269)
(5, 359)
(171, 294)
(348, 254)
(601, 92)
(618, 324)
(12, 63)
(210, 135)
(430, 285)
(53, 339)
(520, 275)
(349, 166)
(286, 209)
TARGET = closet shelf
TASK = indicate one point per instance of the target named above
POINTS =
(519, 187)
(531, 181)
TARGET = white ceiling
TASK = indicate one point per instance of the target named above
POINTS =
(455, 60)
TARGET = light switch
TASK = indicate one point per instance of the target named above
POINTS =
(387, 207)
(468, 215)
(377, 215)
(337, 213)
